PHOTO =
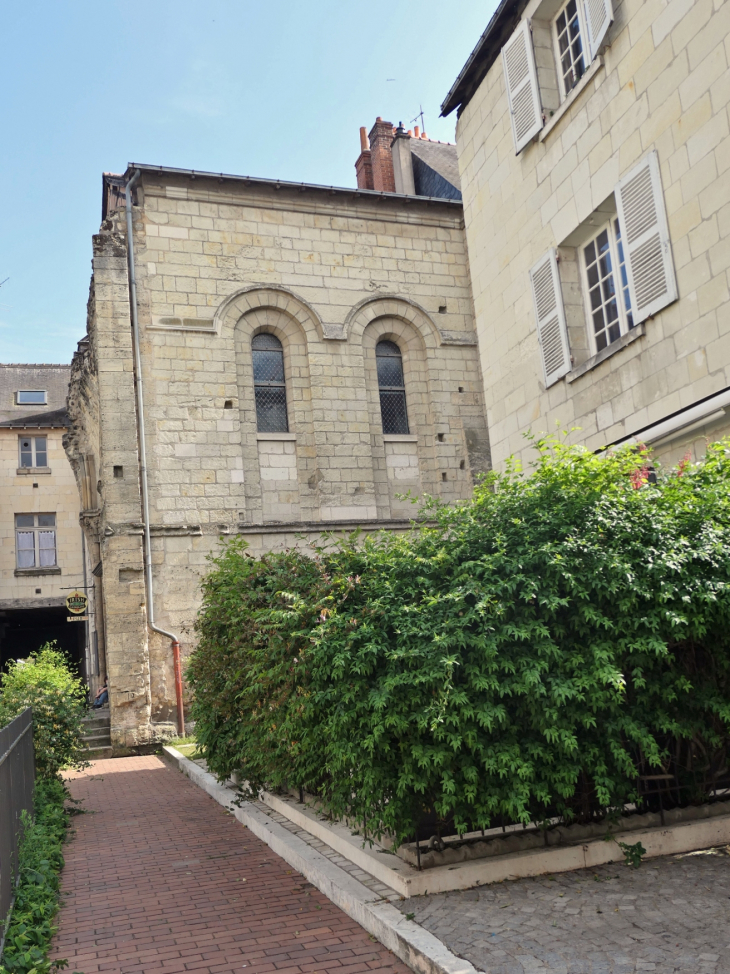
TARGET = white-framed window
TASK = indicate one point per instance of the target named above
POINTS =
(570, 50)
(33, 451)
(35, 540)
(30, 397)
(577, 35)
(606, 286)
(626, 266)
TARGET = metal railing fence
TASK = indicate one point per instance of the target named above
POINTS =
(17, 777)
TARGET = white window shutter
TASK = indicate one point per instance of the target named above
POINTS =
(645, 238)
(552, 330)
(599, 16)
(523, 94)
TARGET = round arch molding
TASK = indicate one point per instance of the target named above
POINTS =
(392, 307)
(257, 297)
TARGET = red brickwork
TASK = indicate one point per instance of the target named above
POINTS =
(364, 170)
(160, 879)
(381, 136)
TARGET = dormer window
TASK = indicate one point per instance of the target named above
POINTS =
(31, 397)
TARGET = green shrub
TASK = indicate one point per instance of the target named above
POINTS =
(31, 927)
(45, 682)
(527, 656)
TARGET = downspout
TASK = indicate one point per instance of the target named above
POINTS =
(143, 462)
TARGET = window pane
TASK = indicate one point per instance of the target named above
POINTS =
(31, 397)
(393, 412)
(26, 453)
(624, 279)
(271, 409)
(47, 548)
(390, 372)
(24, 520)
(268, 366)
(25, 549)
(47, 520)
(41, 455)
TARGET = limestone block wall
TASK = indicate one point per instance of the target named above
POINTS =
(662, 85)
(329, 274)
(50, 490)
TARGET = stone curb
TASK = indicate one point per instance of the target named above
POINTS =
(418, 948)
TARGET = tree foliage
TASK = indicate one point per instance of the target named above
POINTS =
(45, 682)
(530, 654)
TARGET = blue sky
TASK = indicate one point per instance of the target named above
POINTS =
(262, 88)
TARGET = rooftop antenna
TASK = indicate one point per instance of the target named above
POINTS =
(419, 115)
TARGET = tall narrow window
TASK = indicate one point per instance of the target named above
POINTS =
(607, 286)
(33, 451)
(392, 389)
(35, 540)
(568, 34)
(269, 385)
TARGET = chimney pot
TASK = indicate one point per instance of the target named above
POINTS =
(364, 143)
(417, 132)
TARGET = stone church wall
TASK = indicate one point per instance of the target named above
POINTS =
(329, 273)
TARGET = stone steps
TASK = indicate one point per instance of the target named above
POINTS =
(97, 735)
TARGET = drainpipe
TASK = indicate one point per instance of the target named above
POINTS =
(143, 462)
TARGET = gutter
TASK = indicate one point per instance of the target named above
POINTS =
(143, 460)
(708, 410)
(374, 195)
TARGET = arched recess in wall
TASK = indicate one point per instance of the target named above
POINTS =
(396, 320)
(282, 314)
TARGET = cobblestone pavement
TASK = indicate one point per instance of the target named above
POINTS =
(160, 879)
(671, 915)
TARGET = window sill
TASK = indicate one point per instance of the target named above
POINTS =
(37, 571)
(400, 438)
(276, 436)
(27, 471)
(605, 353)
(568, 103)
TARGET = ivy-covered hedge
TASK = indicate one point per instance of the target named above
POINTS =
(528, 655)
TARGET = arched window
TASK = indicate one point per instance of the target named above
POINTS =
(268, 383)
(392, 388)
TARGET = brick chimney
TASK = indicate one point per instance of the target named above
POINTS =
(381, 135)
(364, 165)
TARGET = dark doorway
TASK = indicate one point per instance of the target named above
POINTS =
(22, 631)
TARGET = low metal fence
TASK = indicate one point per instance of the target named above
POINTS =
(17, 776)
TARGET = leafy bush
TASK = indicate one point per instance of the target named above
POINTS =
(45, 682)
(31, 927)
(530, 655)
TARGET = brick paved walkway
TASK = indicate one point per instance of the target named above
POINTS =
(160, 878)
(671, 915)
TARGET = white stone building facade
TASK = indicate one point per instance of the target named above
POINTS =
(594, 153)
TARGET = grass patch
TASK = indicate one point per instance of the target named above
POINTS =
(186, 745)
(32, 926)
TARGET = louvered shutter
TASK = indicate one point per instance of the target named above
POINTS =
(645, 237)
(523, 93)
(552, 331)
(599, 15)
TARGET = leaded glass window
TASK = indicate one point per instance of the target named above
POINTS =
(269, 384)
(392, 387)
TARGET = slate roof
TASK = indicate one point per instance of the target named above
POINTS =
(441, 158)
(55, 419)
(51, 379)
